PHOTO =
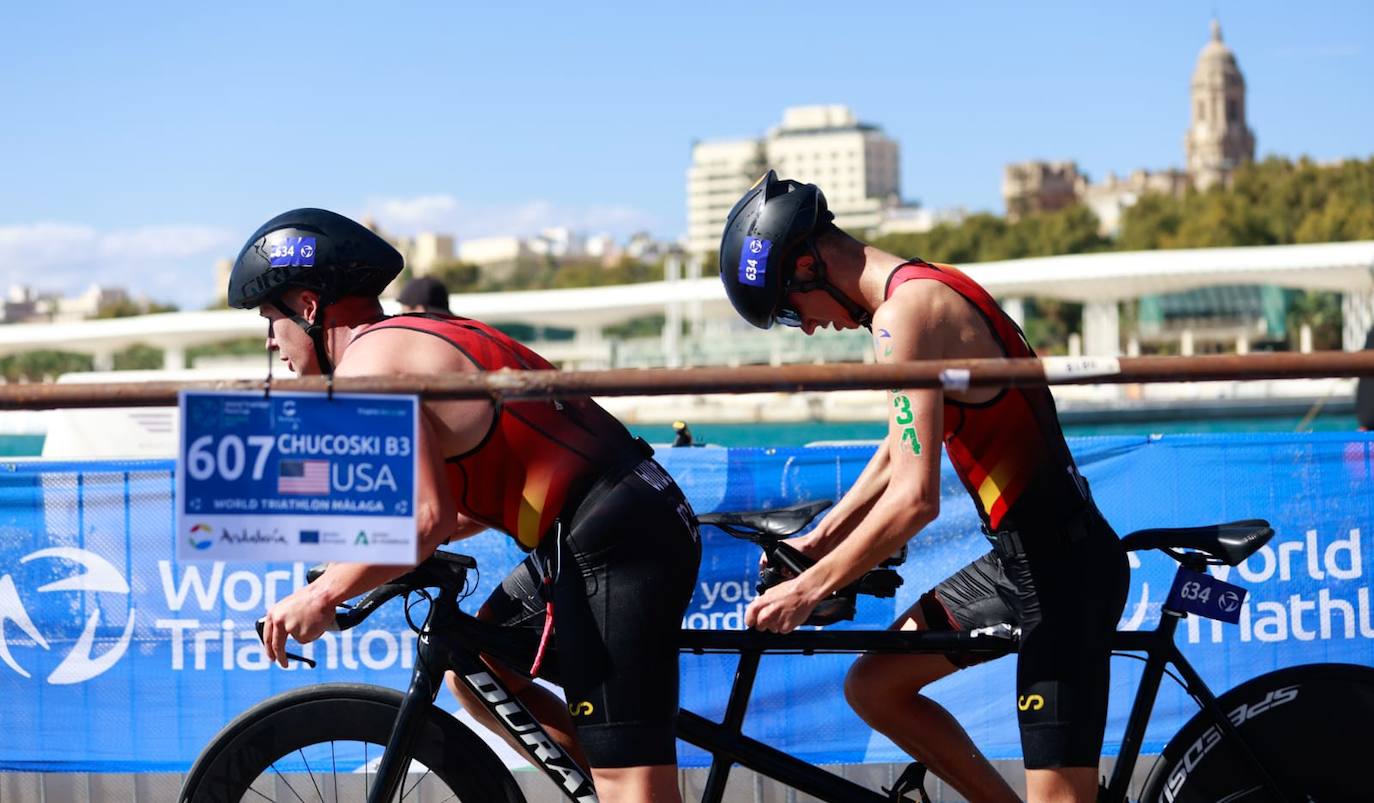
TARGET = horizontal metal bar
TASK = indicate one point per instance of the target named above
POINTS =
(946, 374)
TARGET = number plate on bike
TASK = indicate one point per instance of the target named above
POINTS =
(1205, 595)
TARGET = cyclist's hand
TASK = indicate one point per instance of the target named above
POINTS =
(782, 608)
(302, 616)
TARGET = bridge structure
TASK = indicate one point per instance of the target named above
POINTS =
(1100, 281)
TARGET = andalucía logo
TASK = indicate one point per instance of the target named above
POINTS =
(80, 663)
(202, 536)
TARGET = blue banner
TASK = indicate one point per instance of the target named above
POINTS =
(106, 634)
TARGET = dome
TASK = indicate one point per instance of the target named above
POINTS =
(1216, 61)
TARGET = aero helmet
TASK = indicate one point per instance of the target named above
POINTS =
(312, 249)
(764, 234)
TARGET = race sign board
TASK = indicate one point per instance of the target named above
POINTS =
(296, 476)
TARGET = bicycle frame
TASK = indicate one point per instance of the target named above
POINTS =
(451, 639)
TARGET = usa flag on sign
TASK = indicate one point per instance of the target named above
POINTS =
(303, 477)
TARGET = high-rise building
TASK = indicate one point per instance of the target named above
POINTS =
(1218, 138)
(854, 163)
(721, 171)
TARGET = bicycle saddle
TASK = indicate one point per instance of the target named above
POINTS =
(780, 522)
(1228, 543)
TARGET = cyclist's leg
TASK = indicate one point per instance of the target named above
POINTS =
(516, 603)
(1077, 590)
(885, 689)
(628, 570)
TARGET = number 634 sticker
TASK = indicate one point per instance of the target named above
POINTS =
(1204, 595)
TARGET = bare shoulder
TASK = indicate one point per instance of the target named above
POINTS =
(396, 350)
(922, 310)
(459, 424)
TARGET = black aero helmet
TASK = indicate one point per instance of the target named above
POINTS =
(764, 234)
(314, 249)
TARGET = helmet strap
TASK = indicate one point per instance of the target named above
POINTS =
(315, 330)
(860, 315)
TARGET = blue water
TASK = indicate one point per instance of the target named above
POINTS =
(801, 433)
(21, 445)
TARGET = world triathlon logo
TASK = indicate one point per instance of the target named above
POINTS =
(81, 662)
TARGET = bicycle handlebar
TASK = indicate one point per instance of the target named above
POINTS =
(445, 570)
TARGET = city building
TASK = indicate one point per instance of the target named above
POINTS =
(87, 305)
(1033, 187)
(560, 242)
(855, 163)
(498, 257)
(721, 172)
(1108, 199)
(912, 219)
(1218, 140)
(425, 250)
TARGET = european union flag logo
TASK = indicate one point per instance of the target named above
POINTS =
(296, 252)
(310, 536)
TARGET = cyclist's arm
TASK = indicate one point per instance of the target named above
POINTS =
(911, 497)
(840, 520)
(308, 611)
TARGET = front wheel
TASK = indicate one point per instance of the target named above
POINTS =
(322, 743)
(1308, 725)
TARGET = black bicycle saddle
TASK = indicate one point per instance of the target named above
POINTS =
(1228, 543)
(780, 522)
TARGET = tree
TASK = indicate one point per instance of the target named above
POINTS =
(138, 357)
(1320, 311)
(43, 365)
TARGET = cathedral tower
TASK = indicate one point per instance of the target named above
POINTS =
(1218, 139)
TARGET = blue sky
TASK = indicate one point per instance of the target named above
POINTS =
(141, 141)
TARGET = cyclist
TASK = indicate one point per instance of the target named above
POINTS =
(1056, 569)
(613, 545)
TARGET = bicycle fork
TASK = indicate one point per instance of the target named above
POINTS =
(432, 659)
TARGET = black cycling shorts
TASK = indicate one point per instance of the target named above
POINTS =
(1066, 591)
(624, 570)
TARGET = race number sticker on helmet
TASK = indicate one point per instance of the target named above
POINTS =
(753, 261)
(294, 252)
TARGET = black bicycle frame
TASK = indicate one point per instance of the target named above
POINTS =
(451, 639)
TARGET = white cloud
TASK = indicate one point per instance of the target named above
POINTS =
(446, 214)
(418, 214)
(166, 263)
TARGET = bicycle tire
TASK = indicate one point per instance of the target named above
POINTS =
(276, 728)
(1309, 726)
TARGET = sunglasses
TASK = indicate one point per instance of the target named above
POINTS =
(787, 316)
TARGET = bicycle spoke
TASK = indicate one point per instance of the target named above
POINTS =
(311, 773)
(333, 765)
(288, 783)
(405, 792)
(366, 769)
(260, 794)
